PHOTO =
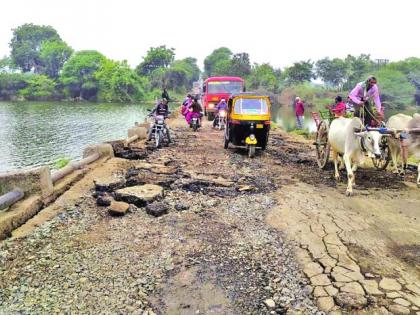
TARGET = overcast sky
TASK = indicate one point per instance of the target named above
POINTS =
(276, 31)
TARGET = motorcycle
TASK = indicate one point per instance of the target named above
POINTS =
(195, 123)
(160, 131)
(220, 120)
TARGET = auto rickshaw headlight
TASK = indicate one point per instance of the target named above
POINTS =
(211, 105)
(252, 137)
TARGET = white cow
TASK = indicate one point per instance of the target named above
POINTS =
(397, 122)
(402, 122)
(352, 146)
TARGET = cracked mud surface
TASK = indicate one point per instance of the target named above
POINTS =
(270, 235)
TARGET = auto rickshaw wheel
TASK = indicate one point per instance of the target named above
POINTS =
(322, 145)
(210, 116)
(251, 150)
(383, 161)
(264, 142)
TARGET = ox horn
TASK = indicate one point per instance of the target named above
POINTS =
(360, 134)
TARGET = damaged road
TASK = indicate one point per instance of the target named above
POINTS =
(196, 229)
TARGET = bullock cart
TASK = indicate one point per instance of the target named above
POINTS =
(323, 120)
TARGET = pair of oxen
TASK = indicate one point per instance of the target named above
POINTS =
(350, 142)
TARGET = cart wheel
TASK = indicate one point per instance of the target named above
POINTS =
(383, 161)
(322, 145)
(251, 151)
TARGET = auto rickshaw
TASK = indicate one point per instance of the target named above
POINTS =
(248, 121)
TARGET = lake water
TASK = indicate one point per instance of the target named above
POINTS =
(39, 133)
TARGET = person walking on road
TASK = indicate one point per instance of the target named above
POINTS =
(165, 95)
(299, 111)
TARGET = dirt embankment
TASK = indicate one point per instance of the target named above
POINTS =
(270, 235)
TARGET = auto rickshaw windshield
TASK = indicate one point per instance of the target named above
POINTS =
(251, 106)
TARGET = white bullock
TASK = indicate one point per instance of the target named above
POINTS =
(352, 146)
(397, 122)
(414, 142)
(404, 122)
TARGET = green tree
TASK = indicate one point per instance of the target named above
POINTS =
(299, 72)
(157, 79)
(181, 74)
(332, 72)
(26, 45)
(263, 77)
(39, 87)
(396, 89)
(118, 82)
(6, 65)
(53, 55)
(221, 68)
(78, 74)
(407, 66)
(157, 57)
(10, 84)
(193, 71)
(357, 67)
(217, 62)
(240, 65)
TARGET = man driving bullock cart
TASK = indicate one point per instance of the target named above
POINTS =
(351, 139)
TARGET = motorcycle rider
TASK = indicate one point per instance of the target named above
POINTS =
(219, 107)
(161, 109)
(187, 102)
(360, 95)
(194, 111)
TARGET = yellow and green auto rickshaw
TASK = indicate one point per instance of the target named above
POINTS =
(248, 121)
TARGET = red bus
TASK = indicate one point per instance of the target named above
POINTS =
(216, 88)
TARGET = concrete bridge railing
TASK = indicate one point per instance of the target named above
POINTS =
(35, 187)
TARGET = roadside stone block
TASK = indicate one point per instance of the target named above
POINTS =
(104, 149)
(118, 208)
(157, 209)
(109, 183)
(139, 195)
(33, 181)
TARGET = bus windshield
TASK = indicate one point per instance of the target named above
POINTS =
(251, 106)
(224, 87)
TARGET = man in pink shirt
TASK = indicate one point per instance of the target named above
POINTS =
(299, 111)
(361, 94)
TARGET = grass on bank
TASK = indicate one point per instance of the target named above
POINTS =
(60, 163)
